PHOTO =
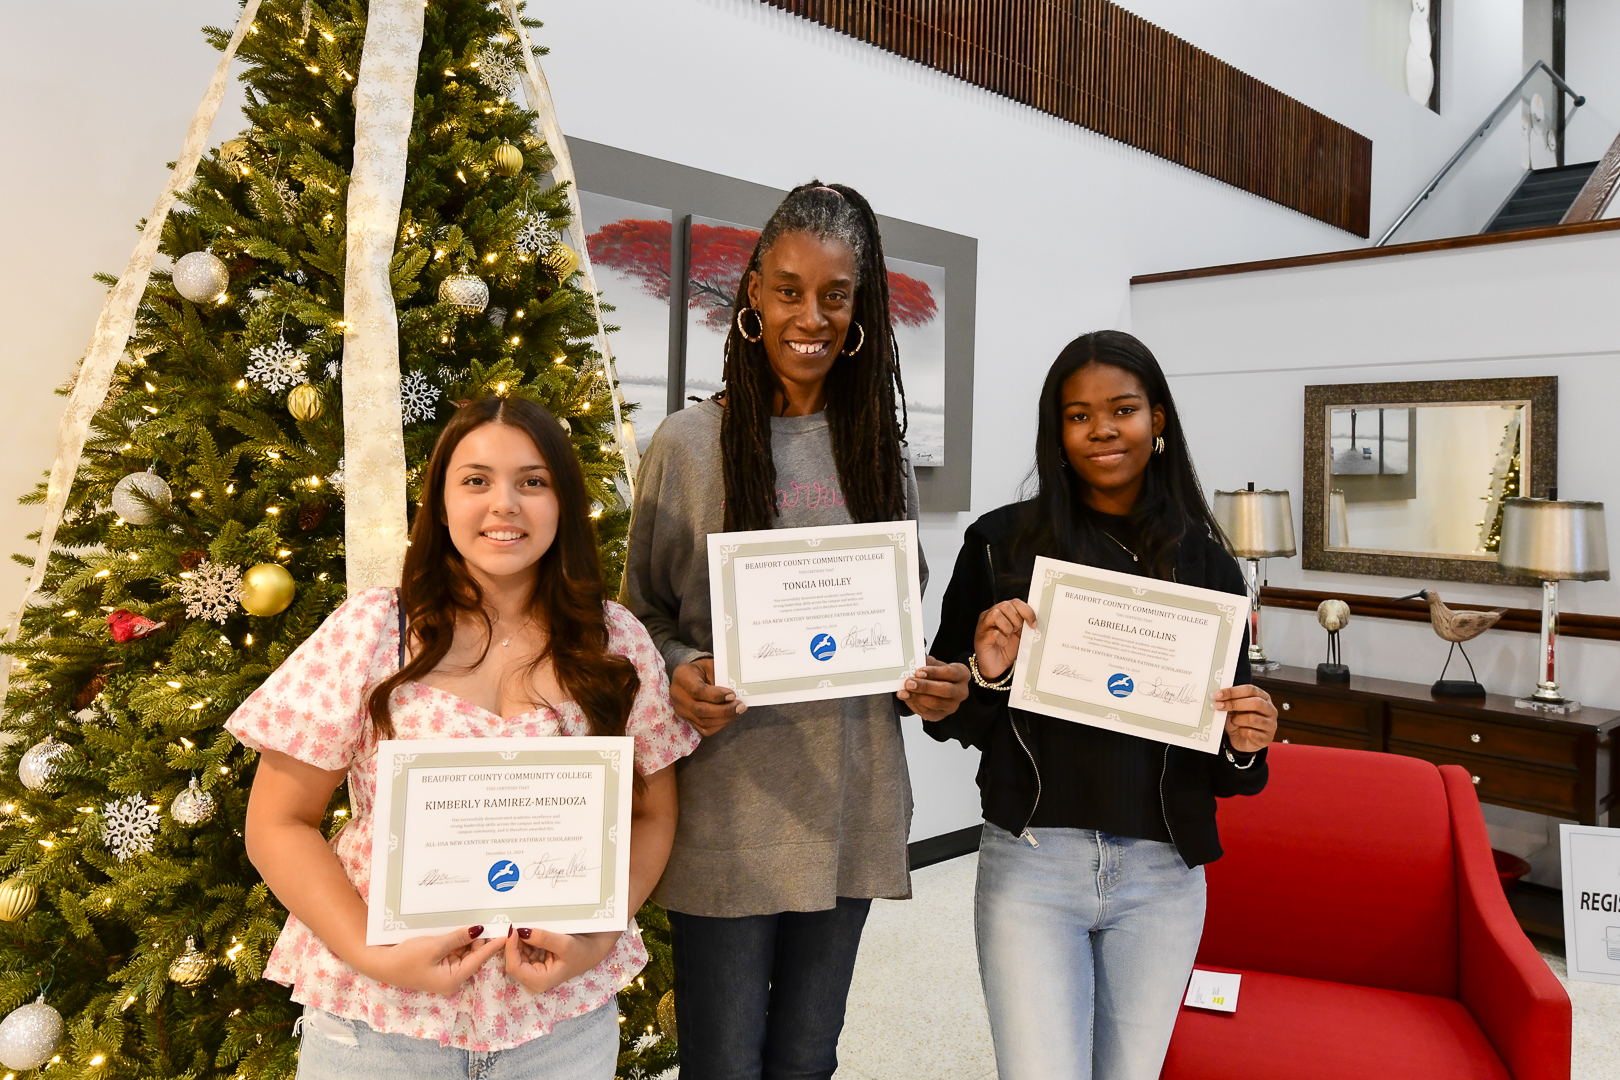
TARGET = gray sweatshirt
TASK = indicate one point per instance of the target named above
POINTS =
(789, 806)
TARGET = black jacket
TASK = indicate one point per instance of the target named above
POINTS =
(1010, 769)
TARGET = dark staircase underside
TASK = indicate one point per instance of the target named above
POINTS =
(1542, 198)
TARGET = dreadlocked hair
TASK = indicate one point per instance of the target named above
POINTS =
(862, 390)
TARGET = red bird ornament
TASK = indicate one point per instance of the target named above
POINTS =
(126, 626)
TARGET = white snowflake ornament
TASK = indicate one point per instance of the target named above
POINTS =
(334, 369)
(496, 70)
(128, 825)
(211, 590)
(335, 477)
(276, 366)
(535, 236)
(418, 398)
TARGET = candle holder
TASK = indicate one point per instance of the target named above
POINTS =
(1553, 541)
(1256, 525)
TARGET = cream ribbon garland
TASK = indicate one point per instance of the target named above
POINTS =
(539, 95)
(373, 429)
(113, 329)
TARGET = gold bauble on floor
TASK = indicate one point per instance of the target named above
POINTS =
(267, 589)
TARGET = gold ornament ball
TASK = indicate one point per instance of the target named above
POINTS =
(560, 260)
(191, 967)
(508, 159)
(305, 403)
(16, 899)
(666, 1014)
(267, 589)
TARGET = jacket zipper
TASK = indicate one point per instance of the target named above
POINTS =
(1024, 834)
(1164, 809)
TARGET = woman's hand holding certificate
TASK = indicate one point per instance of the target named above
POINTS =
(1131, 654)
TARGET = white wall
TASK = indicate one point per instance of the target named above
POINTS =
(1063, 216)
(1591, 52)
(1244, 347)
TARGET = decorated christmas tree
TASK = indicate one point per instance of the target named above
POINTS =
(203, 533)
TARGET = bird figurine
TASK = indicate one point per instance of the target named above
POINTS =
(1457, 627)
(126, 626)
(1334, 615)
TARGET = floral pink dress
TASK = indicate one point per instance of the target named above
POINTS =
(313, 708)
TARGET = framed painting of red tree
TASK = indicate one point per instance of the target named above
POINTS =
(630, 244)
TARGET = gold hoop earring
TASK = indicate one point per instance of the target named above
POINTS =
(1158, 445)
(744, 333)
(862, 341)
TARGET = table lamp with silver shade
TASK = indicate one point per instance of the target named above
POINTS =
(1554, 541)
(1257, 525)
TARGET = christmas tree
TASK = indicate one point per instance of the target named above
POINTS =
(203, 536)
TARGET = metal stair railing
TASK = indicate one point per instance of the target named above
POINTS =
(1479, 133)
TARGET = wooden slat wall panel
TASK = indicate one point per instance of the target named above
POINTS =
(1094, 64)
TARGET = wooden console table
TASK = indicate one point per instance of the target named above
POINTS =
(1562, 766)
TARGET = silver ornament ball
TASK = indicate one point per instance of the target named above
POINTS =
(465, 292)
(193, 806)
(127, 503)
(39, 767)
(30, 1035)
(201, 277)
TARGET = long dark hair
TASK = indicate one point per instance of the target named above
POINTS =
(1057, 521)
(568, 591)
(863, 390)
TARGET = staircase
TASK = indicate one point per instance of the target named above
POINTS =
(1541, 198)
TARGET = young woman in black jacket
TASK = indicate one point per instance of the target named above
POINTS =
(1090, 899)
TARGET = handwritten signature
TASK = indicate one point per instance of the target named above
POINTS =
(1068, 672)
(862, 638)
(550, 868)
(1177, 694)
(439, 877)
(770, 649)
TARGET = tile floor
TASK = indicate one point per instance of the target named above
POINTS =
(916, 1010)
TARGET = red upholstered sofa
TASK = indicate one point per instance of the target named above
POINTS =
(1359, 901)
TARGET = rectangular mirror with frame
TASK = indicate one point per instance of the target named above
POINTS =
(1407, 479)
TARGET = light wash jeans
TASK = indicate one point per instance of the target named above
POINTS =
(1085, 945)
(581, 1048)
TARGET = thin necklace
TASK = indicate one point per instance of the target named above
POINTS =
(1106, 533)
(518, 631)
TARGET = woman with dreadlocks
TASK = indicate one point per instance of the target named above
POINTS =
(792, 817)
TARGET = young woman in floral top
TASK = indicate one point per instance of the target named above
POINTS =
(508, 634)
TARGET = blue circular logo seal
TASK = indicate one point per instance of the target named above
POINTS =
(1120, 685)
(822, 646)
(504, 875)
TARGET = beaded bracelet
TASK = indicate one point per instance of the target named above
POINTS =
(1004, 684)
(1253, 756)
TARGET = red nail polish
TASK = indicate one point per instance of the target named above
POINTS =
(474, 931)
(509, 931)
(524, 933)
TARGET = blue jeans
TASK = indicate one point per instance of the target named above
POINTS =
(1085, 945)
(581, 1048)
(762, 997)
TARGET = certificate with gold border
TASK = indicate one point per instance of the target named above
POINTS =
(521, 831)
(810, 614)
(1130, 654)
